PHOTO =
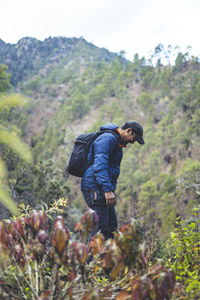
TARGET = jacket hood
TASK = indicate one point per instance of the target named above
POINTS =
(109, 126)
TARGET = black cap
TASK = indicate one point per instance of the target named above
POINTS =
(137, 129)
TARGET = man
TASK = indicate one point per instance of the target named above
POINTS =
(99, 180)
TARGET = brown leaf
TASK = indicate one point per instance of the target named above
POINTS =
(123, 295)
(117, 270)
(97, 244)
(2, 282)
(42, 236)
(59, 239)
(70, 292)
(44, 296)
(71, 276)
(78, 251)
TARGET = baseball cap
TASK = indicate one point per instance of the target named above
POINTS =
(137, 129)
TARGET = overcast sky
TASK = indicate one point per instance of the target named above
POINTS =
(135, 26)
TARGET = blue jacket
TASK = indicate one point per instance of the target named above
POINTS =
(105, 155)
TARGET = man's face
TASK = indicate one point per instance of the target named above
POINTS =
(129, 136)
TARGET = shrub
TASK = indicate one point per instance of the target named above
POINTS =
(189, 172)
(41, 259)
(185, 258)
(145, 101)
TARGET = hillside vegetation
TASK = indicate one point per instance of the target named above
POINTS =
(72, 86)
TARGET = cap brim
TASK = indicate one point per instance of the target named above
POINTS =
(140, 140)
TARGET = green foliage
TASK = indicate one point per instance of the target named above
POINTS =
(147, 200)
(189, 172)
(148, 78)
(162, 81)
(9, 138)
(168, 184)
(4, 79)
(148, 191)
(79, 107)
(42, 181)
(34, 84)
(145, 101)
(14, 142)
(180, 62)
(139, 67)
(184, 256)
(195, 122)
(11, 101)
(153, 162)
(166, 213)
(31, 57)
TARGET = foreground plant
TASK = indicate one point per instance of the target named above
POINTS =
(123, 261)
(185, 257)
(34, 256)
(41, 259)
(9, 138)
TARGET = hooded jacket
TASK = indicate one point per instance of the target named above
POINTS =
(104, 157)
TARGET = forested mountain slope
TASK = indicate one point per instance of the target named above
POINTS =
(30, 57)
(73, 86)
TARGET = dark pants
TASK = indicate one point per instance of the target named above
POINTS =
(107, 223)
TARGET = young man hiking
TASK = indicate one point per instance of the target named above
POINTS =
(100, 178)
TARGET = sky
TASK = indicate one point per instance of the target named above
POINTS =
(134, 26)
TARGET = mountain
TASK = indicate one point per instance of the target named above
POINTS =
(45, 70)
(73, 86)
(30, 56)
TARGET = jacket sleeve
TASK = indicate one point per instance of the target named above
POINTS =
(103, 149)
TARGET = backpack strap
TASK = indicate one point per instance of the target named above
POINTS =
(115, 133)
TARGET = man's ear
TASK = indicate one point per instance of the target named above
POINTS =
(129, 130)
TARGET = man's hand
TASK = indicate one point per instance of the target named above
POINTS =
(110, 198)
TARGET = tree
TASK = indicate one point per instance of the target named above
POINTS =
(4, 79)
(148, 197)
(157, 55)
(180, 62)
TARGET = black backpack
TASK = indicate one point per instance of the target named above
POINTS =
(78, 160)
